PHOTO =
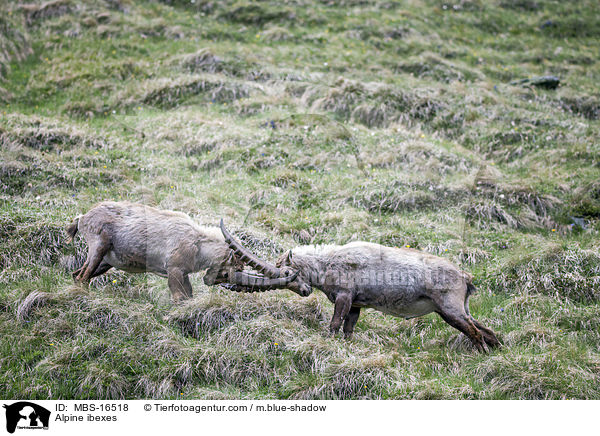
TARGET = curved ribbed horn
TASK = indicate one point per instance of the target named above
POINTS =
(248, 257)
(240, 281)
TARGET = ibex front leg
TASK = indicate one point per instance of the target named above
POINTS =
(179, 284)
(343, 302)
(350, 322)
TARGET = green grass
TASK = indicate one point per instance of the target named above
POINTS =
(391, 122)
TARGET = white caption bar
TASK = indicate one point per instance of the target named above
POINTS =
(270, 417)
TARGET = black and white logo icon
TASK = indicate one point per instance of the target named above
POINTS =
(26, 415)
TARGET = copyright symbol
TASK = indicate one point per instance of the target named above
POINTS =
(147, 407)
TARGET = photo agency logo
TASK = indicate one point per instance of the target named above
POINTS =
(26, 415)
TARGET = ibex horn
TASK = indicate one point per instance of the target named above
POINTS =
(243, 282)
(248, 257)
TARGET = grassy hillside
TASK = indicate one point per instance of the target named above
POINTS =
(302, 122)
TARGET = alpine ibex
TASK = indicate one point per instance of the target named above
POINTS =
(138, 238)
(397, 281)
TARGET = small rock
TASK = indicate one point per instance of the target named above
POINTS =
(546, 82)
(580, 222)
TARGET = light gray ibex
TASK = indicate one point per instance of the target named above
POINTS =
(397, 281)
(137, 238)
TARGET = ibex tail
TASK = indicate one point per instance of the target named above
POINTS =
(72, 229)
(470, 290)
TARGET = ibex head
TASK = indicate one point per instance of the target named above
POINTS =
(302, 285)
(282, 274)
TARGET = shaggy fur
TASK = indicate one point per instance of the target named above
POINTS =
(398, 281)
(138, 238)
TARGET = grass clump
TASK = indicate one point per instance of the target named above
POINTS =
(35, 13)
(374, 106)
(588, 107)
(586, 201)
(167, 93)
(15, 45)
(562, 272)
(251, 13)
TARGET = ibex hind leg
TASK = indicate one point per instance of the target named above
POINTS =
(79, 277)
(464, 324)
(102, 268)
(77, 272)
(453, 312)
(96, 252)
(488, 335)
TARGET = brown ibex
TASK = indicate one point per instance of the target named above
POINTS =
(397, 281)
(137, 238)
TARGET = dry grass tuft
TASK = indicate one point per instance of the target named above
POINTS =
(173, 92)
(473, 255)
(49, 138)
(367, 377)
(265, 247)
(14, 45)
(533, 376)
(35, 13)
(213, 312)
(483, 213)
(202, 61)
(36, 175)
(416, 157)
(517, 206)
(205, 61)
(431, 66)
(387, 201)
(29, 243)
(373, 105)
(400, 196)
(34, 300)
(277, 33)
(586, 200)
(570, 273)
(250, 13)
(588, 107)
